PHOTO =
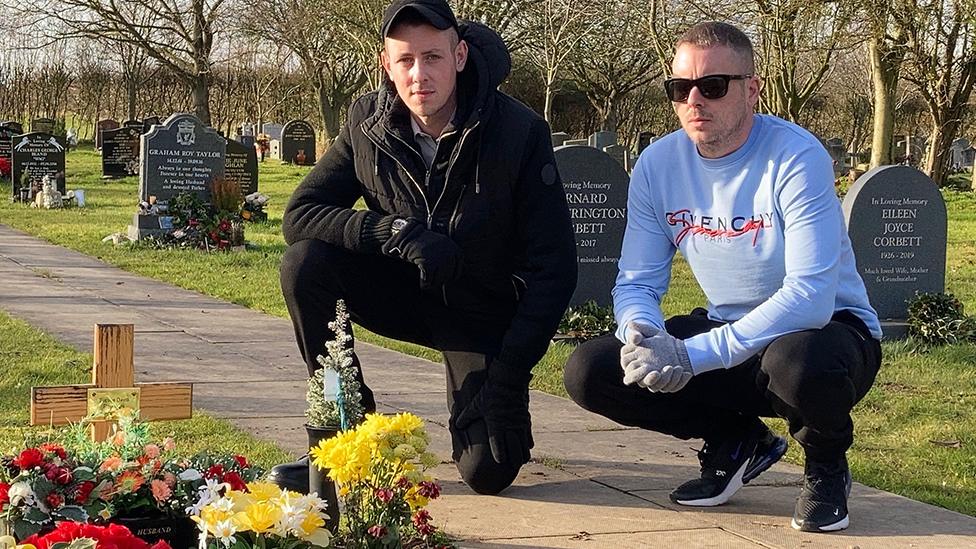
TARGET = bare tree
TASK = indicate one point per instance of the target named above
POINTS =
(942, 64)
(614, 60)
(556, 29)
(178, 34)
(503, 16)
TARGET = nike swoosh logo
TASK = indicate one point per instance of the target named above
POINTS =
(735, 454)
(836, 512)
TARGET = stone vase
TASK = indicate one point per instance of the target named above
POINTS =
(318, 479)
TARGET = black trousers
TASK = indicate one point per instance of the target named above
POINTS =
(811, 378)
(383, 295)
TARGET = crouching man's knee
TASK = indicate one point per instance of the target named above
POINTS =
(477, 466)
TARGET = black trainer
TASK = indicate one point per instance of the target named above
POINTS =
(726, 466)
(822, 505)
(291, 476)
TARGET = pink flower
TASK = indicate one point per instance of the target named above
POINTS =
(384, 495)
(169, 479)
(111, 464)
(376, 531)
(160, 490)
(429, 490)
(169, 444)
(151, 451)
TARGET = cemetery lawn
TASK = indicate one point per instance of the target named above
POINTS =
(32, 358)
(915, 431)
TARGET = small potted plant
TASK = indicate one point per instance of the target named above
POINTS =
(334, 403)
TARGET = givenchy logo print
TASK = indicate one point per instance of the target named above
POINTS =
(718, 228)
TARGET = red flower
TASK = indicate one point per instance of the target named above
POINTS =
(84, 491)
(385, 495)
(242, 461)
(235, 481)
(55, 449)
(59, 475)
(29, 458)
(429, 490)
(215, 471)
(224, 226)
(376, 531)
(4, 498)
(54, 500)
(4, 167)
(421, 520)
(403, 483)
(112, 536)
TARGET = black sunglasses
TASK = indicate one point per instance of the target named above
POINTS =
(713, 86)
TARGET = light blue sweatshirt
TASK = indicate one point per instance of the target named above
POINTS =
(761, 229)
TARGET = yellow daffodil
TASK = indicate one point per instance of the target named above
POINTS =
(263, 491)
(258, 517)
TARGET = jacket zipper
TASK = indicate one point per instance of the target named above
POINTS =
(402, 167)
(447, 179)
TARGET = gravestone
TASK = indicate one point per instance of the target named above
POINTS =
(575, 143)
(838, 153)
(43, 125)
(602, 139)
(6, 135)
(274, 149)
(896, 220)
(643, 140)
(247, 140)
(241, 165)
(103, 125)
(273, 130)
(120, 152)
(180, 155)
(16, 127)
(596, 190)
(35, 155)
(618, 153)
(133, 123)
(958, 157)
(559, 138)
(298, 143)
(247, 128)
(148, 122)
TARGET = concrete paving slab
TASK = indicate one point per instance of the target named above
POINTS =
(700, 538)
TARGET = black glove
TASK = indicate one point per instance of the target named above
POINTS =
(504, 406)
(436, 256)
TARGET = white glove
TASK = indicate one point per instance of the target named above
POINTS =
(655, 360)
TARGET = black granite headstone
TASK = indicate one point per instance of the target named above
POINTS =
(120, 152)
(16, 127)
(103, 125)
(133, 123)
(558, 138)
(596, 190)
(602, 139)
(182, 154)
(43, 125)
(246, 140)
(643, 140)
(36, 155)
(148, 122)
(241, 165)
(896, 220)
(298, 143)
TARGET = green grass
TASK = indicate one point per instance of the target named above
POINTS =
(32, 358)
(918, 397)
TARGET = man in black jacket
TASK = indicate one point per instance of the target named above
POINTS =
(466, 244)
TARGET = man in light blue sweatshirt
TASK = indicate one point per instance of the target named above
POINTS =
(788, 331)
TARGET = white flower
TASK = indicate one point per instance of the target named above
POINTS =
(224, 531)
(20, 492)
(190, 475)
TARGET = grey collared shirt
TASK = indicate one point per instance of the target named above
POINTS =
(426, 142)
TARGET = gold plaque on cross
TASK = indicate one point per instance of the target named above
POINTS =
(106, 404)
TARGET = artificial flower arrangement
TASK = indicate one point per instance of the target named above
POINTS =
(253, 208)
(263, 516)
(381, 467)
(125, 477)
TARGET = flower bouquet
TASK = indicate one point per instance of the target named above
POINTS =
(74, 535)
(263, 517)
(380, 467)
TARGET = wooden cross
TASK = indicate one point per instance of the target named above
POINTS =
(113, 371)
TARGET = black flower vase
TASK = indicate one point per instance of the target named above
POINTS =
(318, 479)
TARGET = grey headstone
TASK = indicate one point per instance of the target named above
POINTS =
(17, 127)
(247, 128)
(576, 143)
(148, 122)
(896, 220)
(182, 154)
(298, 143)
(602, 139)
(596, 190)
(618, 153)
(102, 125)
(36, 154)
(274, 150)
(43, 125)
(133, 123)
(838, 153)
(247, 140)
(643, 140)
(273, 130)
(120, 152)
(559, 138)
(241, 165)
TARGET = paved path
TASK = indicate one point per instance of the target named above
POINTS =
(602, 485)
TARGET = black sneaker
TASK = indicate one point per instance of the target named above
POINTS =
(822, 505)
(725, 467)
